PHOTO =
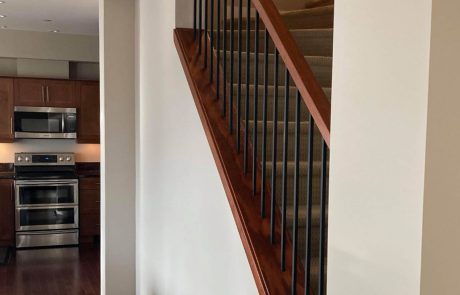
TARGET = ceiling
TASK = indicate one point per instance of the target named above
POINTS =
(67, 16)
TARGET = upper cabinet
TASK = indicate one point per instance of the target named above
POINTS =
(6, 110)
(61, 93)
(88, 112)
(44, 93)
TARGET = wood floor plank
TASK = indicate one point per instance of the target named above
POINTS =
(52, 272)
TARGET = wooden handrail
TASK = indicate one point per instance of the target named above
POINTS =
(301, 73)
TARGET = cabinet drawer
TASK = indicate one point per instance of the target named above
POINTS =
(90, 224)
(90, 201)
(90, 183)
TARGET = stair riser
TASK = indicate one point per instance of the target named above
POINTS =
(291, 146)
(322, 71)
(316, 43)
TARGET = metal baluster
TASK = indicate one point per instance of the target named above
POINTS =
(295, 233)
(194, 20)
(200, 23)
(322, 222)
(248, 78)
(264, 127)
(224, 100)
(256, 106)
(308, 249)
(205, 33)
(274, 149)
(238, 95)
(211, 53)
(232, 63)
(285, 164)
(218, 51)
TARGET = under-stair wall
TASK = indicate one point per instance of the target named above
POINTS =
(188, 241)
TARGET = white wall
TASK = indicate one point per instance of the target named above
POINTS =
(187, 239)
(379, 119)
(118, 164)
(38, 45)
(441, 218)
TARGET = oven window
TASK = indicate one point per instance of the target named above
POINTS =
(51, 216)
(43, 195)
(38, 122)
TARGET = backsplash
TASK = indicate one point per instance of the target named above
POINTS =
(83, 152)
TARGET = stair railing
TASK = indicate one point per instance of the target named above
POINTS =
(211, 21)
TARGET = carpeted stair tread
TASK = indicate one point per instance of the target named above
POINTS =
(302, 220)
(309, 18)
(303, 168)
(311, 42)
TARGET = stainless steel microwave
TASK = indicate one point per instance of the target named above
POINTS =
(45, 122)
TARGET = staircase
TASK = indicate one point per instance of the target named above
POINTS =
(265, 113)
(313, 32)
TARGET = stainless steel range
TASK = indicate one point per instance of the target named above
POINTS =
(46, 200)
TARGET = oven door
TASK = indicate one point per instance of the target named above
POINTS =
(49, 218)
(33, 193)
(44, 122)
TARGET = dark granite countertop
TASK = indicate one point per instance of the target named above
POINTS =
(6, 171)
(89, 169)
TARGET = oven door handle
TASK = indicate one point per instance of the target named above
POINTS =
(31, 184)
(58, 213)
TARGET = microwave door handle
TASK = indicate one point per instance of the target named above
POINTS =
(43, 93)
(63, 122)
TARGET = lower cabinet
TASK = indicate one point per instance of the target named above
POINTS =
(89, 193)
(6, 212)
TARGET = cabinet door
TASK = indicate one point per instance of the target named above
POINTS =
(6, 212)
(6, 110)
(29, 92)
(60, 93)
(88, 113)
(90, 206)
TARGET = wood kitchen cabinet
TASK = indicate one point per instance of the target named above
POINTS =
(89, 193)
(6, 110)
(44, 93)
(61, 93)
(88, 112)
(6, 212)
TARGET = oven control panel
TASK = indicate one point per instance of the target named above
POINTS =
(44, 159)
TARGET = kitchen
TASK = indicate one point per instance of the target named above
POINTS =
(49, 146)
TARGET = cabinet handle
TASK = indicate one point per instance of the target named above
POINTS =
(11, 125)
(43, 93)
(47, 94)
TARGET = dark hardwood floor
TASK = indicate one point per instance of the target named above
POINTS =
(56, 271)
